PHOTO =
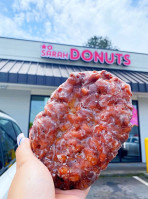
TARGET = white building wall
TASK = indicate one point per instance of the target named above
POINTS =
(143, 120)
(17, 105)
(18, 49)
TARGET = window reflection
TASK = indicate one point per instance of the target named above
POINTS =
(130, 150)
(37, 105)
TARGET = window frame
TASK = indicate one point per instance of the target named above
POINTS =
(140, 151)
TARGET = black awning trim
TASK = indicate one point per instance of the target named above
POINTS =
(48, 74)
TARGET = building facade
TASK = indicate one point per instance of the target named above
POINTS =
(30, 71)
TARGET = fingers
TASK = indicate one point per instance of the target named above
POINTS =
(23, 152)
(20, 138)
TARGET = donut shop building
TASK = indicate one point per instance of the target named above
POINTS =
(31, 70)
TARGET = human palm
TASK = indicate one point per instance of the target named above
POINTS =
(33, 180)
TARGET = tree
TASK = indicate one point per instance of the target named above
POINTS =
(100, 42)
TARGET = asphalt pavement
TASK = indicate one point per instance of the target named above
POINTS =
(121, 181)
(121, 187)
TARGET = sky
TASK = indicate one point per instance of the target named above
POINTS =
(73, 22)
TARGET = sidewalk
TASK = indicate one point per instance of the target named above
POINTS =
(114, 169)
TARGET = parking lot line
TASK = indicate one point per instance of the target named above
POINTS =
(140, 180)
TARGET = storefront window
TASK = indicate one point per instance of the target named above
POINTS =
(37, 105)
(130, 150)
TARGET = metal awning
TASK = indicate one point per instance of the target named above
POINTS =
(47, 74)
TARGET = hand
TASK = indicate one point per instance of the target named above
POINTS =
(33, 180)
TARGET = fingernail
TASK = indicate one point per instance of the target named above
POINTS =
(20, 138)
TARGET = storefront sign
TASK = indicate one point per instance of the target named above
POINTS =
(134, 119)
(86, 55)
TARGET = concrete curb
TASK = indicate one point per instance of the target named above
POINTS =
(124, 169)
(146, 174)
(122, 174)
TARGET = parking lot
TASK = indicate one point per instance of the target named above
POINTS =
(120, 187)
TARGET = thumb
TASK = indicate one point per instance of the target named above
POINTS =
(23, 152)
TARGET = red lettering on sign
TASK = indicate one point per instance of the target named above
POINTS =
(98, 57)
(43, 46)
(49, 47)
(111, 61)
(87, 55)
(43, 53)
(60, 55)
(54, 54)
(127, 61)
(65, 55)
(84, 55)
(48, 53)
(74, 54)
(119, 58)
